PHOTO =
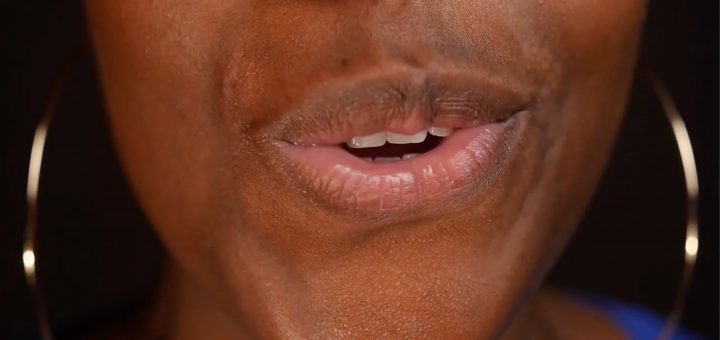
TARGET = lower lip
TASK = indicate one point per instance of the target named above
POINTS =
(460, 169)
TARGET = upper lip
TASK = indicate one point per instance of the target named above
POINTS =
(405, 102)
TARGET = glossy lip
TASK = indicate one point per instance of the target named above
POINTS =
(488, 119)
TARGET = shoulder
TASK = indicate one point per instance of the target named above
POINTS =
(569, 319)
(576, 313)
(636, 321)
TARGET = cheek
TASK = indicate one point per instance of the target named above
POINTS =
(599, 44)
(595, 47)
(600, 34)
(147, 56)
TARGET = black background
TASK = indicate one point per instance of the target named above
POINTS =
(97, 253)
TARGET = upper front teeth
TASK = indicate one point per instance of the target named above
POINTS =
(440, 131)
(370, 141)
(397, 138)
(379, 139)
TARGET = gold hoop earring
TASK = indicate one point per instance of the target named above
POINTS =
(692, 241)
(29, 253)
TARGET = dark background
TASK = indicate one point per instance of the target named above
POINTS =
(98, 255)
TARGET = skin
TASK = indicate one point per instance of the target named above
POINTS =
(192, 87)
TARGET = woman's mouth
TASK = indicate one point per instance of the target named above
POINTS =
(402, 146)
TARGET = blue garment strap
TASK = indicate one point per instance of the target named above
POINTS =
(638, 323)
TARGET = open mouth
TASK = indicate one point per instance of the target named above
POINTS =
(387, 147)
(382, 159)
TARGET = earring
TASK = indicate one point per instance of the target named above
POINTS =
(692, 242)
(29, 253)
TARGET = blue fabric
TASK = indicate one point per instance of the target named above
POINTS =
(636, 322)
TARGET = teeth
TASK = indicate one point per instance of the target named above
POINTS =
(396, 138)
(439, 131)
(410, 155)
(380, 138)
(370, 141)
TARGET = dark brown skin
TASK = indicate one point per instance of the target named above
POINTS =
(192, 87)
